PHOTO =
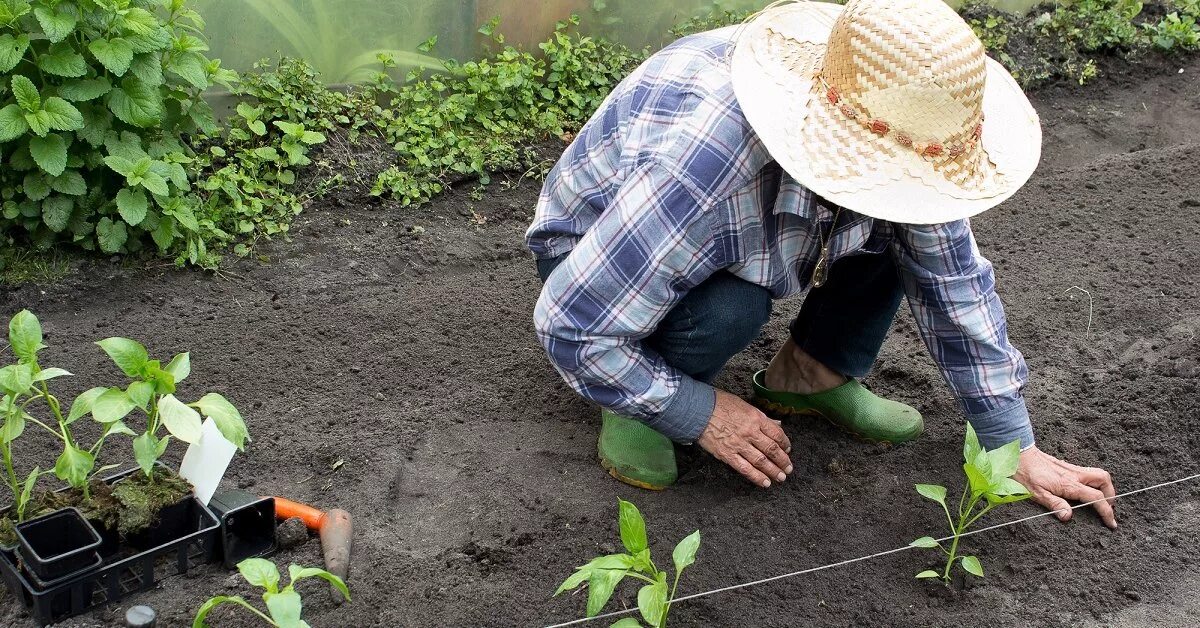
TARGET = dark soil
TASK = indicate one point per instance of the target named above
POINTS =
(393, 371)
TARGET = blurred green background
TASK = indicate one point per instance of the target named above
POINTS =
(341, 38)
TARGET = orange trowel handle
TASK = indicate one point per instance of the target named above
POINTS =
(286, 509)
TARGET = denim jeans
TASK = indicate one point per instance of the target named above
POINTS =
(841, 324)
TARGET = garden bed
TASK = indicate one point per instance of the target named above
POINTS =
(386, 363)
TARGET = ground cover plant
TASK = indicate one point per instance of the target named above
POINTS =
(602, 575)
(989, 484)
(284, 606)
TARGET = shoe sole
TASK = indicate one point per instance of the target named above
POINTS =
(628, 480)
(785, 411)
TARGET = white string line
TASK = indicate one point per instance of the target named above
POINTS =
(878, 554)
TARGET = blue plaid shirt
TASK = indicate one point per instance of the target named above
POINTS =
(668, 184)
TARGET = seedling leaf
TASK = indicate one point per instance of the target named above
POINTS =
(685, 553)
(971, 564)
(74, 465)
(208, 606)
(652, 601)
(600, 588)
(633, 527)
(182, 421)
(51, 373)
(928, 574)
(285, 607)
(611, 561)
(933, 491)
(228, 419)
(111, 405)
(180, 366)
(260, 573)
(295, 572)
(927, 542)
(1004, 461)
(580, 576)
(83, 403)
(129, 355)
(627, 622)
(140, 393)
(25, 335)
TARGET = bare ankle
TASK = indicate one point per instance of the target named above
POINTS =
(793, 370)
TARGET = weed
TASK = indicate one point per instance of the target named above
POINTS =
(603, 574)
(284, 606)
(989, 483)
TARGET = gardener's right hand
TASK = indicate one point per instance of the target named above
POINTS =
(745, 439)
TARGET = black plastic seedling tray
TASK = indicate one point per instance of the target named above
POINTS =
(58, 545)
(185, 536)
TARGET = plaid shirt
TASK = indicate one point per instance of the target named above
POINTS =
(668, 184)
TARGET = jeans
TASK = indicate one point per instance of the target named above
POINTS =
(841, 324)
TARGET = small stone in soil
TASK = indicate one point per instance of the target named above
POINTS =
(291, 533)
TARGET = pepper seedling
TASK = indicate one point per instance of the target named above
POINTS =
(284, 606)
(989, 484)
(603, 574)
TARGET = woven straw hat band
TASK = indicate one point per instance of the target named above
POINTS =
(909, 69)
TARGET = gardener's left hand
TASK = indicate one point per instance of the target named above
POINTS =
(1053, 482)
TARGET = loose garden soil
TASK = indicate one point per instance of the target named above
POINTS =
(394, 372)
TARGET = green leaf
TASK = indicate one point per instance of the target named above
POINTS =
(51, 373)
(652, 602)
(111, 405)
(600, 588)
(180, 367)
(685, 552)
(191, 67)
(56, 212)
(136, 103)
(212, 603)
(148, 68)
(627, 622)
(70, 182)
(14, 426)
(979, 481)
(633, 527)
(39, 122)
(27, 489)
(12, 50)
(84, 402)
(926, 542)
(37, 186)
(118, 427)
(62, 115)
(971, 446)
(16, 379)
(228, 419)
(120, 165)
(611, 561)
(312, 137)
(129, 355)
(140, 392)
(260, 573)
(12, 123)
(74, 466)
(296, 572)
(132, 205)
(929, 574)
(580, 576)
(1004, 461)
(146, 450)
(82, 90)
(180, 420)
(933, 491)
(56, 22)
(50, 153)
(25, 335)
(114, 54)
(1009, 486)
(111, 235)
(971, 564)
(62, 60)
(155, 183)
(285, 607)
(26, 93)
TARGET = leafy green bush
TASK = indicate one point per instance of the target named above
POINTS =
(1175, 33)
(97, 97)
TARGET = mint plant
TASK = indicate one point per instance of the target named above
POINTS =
(152, 391)
(26, 383)
(284, 606)
(989, 484)
(603, 574)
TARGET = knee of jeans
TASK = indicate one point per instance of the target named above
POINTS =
(737, 321)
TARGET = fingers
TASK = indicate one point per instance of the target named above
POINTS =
(748, 471)
(1060, 507)
(773, 431)
(774, 452)
(1085, 493)
(754, 453)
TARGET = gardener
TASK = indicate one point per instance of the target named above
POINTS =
(839, 150)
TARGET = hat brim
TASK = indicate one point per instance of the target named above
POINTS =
(811, 140)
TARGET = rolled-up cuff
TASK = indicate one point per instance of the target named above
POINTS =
(999, 427)
(687, 413)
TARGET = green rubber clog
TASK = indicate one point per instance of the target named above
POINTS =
(636, 454)
(850, 407)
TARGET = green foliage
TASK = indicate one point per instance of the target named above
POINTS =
(1175, 33)
(96, 88)
(989, 484)
(603, 574)
(284, 606)
(717, 17)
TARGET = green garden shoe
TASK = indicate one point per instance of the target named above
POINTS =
(636, 454)
(850, 407)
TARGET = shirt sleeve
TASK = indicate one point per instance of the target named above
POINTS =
(951, 289)
(651, 246)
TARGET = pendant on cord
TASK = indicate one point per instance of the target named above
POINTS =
(821, 270)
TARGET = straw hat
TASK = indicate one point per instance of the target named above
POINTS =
(889, 108)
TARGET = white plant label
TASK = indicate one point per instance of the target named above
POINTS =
(206, 460)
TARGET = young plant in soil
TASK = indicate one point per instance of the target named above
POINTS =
(603, 574)
(989, 484)
(284, 607)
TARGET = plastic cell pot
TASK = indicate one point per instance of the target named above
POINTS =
(56, 546)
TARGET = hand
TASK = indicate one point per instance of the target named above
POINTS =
(1053, 482)
(745, 439)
